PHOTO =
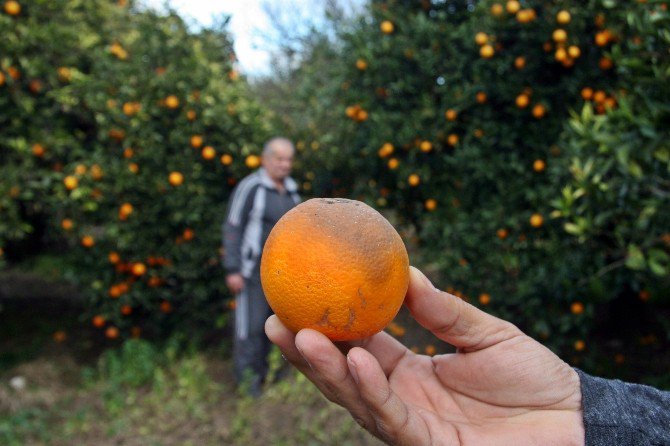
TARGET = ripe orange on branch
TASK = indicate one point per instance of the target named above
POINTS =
(350, 277)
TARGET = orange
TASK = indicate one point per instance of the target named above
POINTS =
(430, 204)
(361, 64)
(539, 111)
(481, 97)
(191, 115)
(98, 321)
(522, 100)
(385, 150)
(252, 161)
(196, 141)
(176, 178)
(208, 153)
(497, 9)
(172, 101)
(580, 345)
(484, 298)
(139, 269)
(226, 159)
(451, 114)
(12, 7)
(520, 63)
(452, 139)
(112, 332)
(87, 241)
(559, 35)
(512, 6)
(587, 93)
(336, 266)
(38, 150)
(536, 220)
(486, 51)
(414, 180)
(387, 27)
(539, 165)
(481, 38)
(426, 146)
(393, 163)
(577, 308)
(70, 182)
(67, 224)
(563, 17)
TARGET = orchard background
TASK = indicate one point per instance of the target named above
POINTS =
(521, 149)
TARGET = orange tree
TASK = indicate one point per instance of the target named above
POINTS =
(123, 133)
(457, 114)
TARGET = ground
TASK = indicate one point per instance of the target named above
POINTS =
(78, 392)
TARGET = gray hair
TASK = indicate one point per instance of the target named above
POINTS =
(268, 147)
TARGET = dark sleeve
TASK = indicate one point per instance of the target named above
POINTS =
(623, 414)
(233, 227)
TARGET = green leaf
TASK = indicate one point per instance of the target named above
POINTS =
(635, 259)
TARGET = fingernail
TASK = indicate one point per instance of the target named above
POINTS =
(424, 279)
(352, 368)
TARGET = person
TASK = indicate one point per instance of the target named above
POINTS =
(257, 203)
(500, 387)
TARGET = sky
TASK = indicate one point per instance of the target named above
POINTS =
(247, 24)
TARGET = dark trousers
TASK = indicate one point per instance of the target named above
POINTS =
(251, 346)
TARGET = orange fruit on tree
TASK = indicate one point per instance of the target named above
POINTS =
(481, 97)
(536, 220)
(12, 7)
(481, 38)
(139, 269)
(587, 93)
(172, 101)
(512, 6)
(414, 180)
(451, 114)
(559, 35)
(87, 241)
(385, 150)
(98, 321)
(522, 100)
(38, 150)
(539, 165)
(393, 163)
(430, 204)
(208, 153)
(387, 27)
(361, 64)
(196, 141)
(426, 146)
(67, 224)
(350, 277)
(452, 139)
(112, 332)
(539, 111)
(486, 51)
(497, 9)
(226, 159)
(484, 298)
(70, 182)
(520, 63)
(577, 308)
(563, 17)
(252, 161)
(176, 178)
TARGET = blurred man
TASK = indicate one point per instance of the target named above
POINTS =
(257, 203)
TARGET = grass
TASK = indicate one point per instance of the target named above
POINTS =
(143, 394)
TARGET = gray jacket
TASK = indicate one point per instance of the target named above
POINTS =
(256, 205)
(623, 414)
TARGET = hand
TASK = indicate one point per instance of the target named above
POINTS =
(235, 282)
(500, 388)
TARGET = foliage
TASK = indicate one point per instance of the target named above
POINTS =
(522, 144)
(123, 133)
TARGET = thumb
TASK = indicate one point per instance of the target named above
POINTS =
(452, 319)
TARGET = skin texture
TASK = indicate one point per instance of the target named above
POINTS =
(277, 160)
(500, 388)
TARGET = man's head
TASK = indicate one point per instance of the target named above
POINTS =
(278, 158)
